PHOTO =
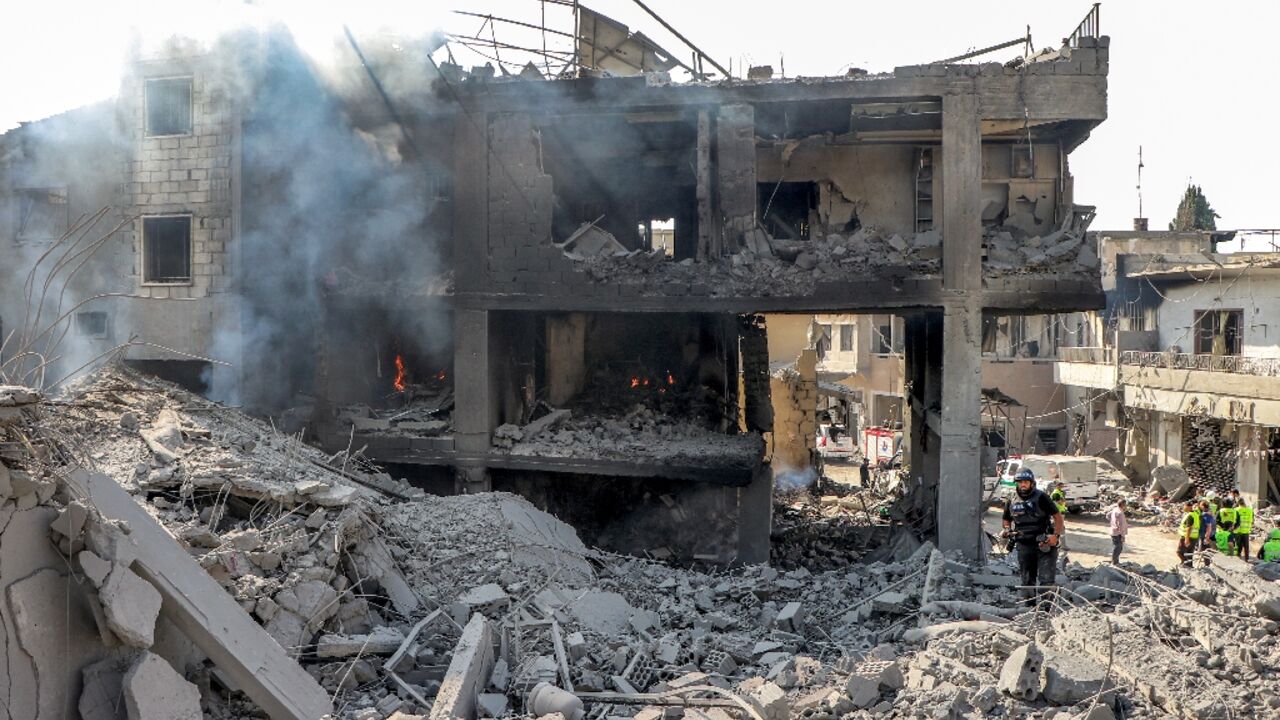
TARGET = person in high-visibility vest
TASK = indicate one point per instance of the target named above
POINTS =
(1227, 522)
(1244, 526)
(1059, 498)
(1271, 548)
(1188, 533)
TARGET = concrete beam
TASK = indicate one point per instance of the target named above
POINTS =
(961, 193)
(755, 518)
(960, 477)
(468, 672)
(205, 613)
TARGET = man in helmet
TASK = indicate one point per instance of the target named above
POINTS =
(1034, 523)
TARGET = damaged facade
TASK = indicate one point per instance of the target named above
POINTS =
(555, 287)
(1182, 368)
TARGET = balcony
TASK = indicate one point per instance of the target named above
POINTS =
(1235, 364)
(1096, 355)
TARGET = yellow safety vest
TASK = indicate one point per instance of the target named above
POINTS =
(1191, 520)
(1244, 519)
(1271, 548)
(1227, 516)
(1059, 498)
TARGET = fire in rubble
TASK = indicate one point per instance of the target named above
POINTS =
(400, 383)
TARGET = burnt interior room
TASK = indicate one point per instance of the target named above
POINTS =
(624, 172)
(388, 359)
(605, 364)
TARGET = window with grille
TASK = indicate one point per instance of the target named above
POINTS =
(166, 249)
(168, 104)
(1219, 332)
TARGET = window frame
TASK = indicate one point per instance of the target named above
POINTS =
(1198, 318)
(19, 195)
(191, 106)
(849, 333)
(145, 255)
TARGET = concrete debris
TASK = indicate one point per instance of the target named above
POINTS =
(641, 435)
(768, 266)
(154, 691)
(484, 605)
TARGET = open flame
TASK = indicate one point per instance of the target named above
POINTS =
(399, 382)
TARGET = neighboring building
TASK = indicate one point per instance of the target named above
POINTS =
(1187, 369)
(421, 261)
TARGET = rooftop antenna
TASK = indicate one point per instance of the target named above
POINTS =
(1140, 222)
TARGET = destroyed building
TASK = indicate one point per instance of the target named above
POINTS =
(1182, 370)
(555, 286)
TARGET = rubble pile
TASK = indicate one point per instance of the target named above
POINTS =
(829, 526)
(190, 600)
(1010, 250)
(771, 267)
(641, 435)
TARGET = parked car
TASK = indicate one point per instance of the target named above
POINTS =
(1079, 476)
(834, 442)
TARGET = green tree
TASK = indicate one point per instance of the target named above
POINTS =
(1194, 212)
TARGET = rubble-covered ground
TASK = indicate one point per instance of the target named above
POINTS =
(773, 267)
(401, 604)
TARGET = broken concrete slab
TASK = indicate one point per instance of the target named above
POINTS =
(202, 611)
(52, 637)
(1069, 678)
(155, 691)
(102, 696)
(381, 641)
(131, 605)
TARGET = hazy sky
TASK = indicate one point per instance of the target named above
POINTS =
(1177, 86)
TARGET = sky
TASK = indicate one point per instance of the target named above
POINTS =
(1192, 84)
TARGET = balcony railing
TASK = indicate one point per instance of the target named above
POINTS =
(1089, 27)
(1097, 355)
(1239, 364)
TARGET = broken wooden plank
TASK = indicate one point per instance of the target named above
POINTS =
(204, 612)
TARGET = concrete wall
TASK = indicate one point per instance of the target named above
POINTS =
(877, 182)
(76, 157)
(1257, 294)
(795, 397)
(788, 336)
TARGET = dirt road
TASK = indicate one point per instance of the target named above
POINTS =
(1089, 541)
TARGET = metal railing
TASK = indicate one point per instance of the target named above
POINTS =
(1238, 364)
(1089, 27)
(1098, 355)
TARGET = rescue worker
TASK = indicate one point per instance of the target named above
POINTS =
(1207, 523)
(1271, 548)
(1227, 521)
(1210, 532)
(1244, 526)
(1059, 497)
(1028, 516)
(1188, 533)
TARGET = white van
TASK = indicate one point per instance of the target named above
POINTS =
(1078, 473)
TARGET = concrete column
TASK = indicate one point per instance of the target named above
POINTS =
(961, 193)
(470, 202)
(755, 518)
(960, 476)
(1251, 466)
(735, 161)
(704, 186)
(473, 415)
